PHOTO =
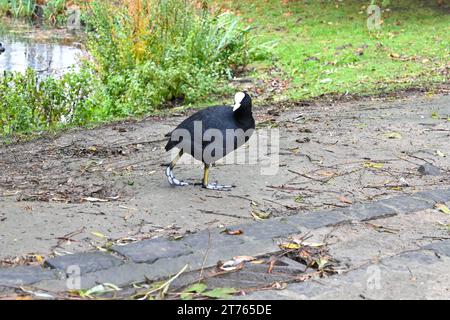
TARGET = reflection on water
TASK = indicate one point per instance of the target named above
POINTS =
(34, 48)
(43, 57)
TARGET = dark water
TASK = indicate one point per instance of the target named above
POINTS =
(46, 51)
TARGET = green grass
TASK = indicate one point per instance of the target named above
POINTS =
(318, 44)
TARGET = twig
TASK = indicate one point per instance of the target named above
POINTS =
(165, 286)
(223, 214)
(280, 204)
(206, 255)
(308, 177)
(68, 237)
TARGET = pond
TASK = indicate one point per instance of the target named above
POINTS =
(48, 51)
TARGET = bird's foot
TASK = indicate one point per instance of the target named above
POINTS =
(174, 181)
(217, 187)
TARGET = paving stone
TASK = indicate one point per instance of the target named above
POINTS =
(268, 229)
(406, 259)
(212, 237)
(248, 248)
(25, 275)
(368, 211)
(318, 219)
(442, 195)
(149, 251)
(86, 261)
(429, 170)
(442, 247)
(406, 204)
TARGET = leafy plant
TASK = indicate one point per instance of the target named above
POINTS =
(28, 103)
(22, 8)
(4, 6)
(54, 11)
(149, 52)
(199, 290)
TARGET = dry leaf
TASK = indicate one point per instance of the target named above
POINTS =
(233, 232)
(393, 135)
(257, 261)
(440, 154)
(344, 200)
(91, 199)
(98, 234)
(373, 165)
(260, 215)
(290, 246)
(244, 258)
(443, 208)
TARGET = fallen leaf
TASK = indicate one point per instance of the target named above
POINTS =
(91, 199)
(231, 265)
(290, 246)
(279, 286)
(99, 235)
(314, 244)
(23, 298)
(393, 135)
(443, 208)
(220, 293)
(271, 264)
(321, 263)
(233, 232)
(440, 153)
(373, 165)
(344, 200)
(326, 173)
(244, 258)
(260, 215)
(100, 289)
(196, 288)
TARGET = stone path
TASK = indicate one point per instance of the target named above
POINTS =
(392, 248)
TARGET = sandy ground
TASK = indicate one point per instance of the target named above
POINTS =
(87, 189)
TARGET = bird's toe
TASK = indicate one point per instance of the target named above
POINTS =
(217, 187)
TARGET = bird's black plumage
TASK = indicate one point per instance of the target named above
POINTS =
(210, 134)
(220, 118)
(2, 49)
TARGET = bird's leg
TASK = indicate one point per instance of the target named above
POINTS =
(213, 186)
(169, 172)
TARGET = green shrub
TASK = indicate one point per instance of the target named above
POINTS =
(21, 8)
(4, 6)
(167, 51)
(29, 104)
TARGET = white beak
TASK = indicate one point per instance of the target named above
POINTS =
(236, 106)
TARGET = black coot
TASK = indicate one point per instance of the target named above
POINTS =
(2, 49)
(210, 134)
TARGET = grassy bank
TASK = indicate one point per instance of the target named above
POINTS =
(325, 47)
